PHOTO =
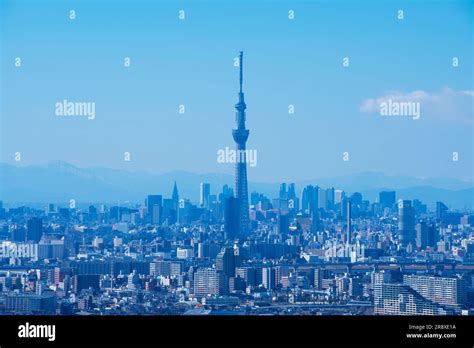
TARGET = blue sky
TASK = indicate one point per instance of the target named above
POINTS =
(190, 62)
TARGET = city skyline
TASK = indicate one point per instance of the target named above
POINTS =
(315, 248)
(60, 181)
(342, 187)
(313, 251)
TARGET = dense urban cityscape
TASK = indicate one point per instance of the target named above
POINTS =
(321, 253)
(156, 188)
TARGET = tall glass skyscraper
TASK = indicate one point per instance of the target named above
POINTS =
(406, 222)
(204, 193)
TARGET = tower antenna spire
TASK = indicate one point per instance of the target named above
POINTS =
(240, 135)
(241, 63)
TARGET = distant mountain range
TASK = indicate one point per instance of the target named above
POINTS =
(59, 181)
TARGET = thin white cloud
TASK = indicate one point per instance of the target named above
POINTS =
(446, 104)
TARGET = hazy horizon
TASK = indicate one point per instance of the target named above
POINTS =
(59, 181)
(226, 173)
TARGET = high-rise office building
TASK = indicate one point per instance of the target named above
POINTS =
(283, 225)
(322, 198)
(348, 221)
(154, 207)
(209, 281)
(231, 218)
(248, 274)
(293, 200)
(226, 261)
(169, 211)
(241, 135)
(304, 199)
(426, 235)
(406, 222)
(18, 234)
(204, 194)
(34, 229)
(441, 210)
(269, 278)
(291, 191)
(283, 192)
(387, 199)
(433, 235)
(51, 209)
(255, 198)
(317, 278)
(339, 195)
(86, 281)
(421, 235)
(419, 207)
(356, 198)
(309, 199)
(226, 193)
(156, 214)
(330, 198)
